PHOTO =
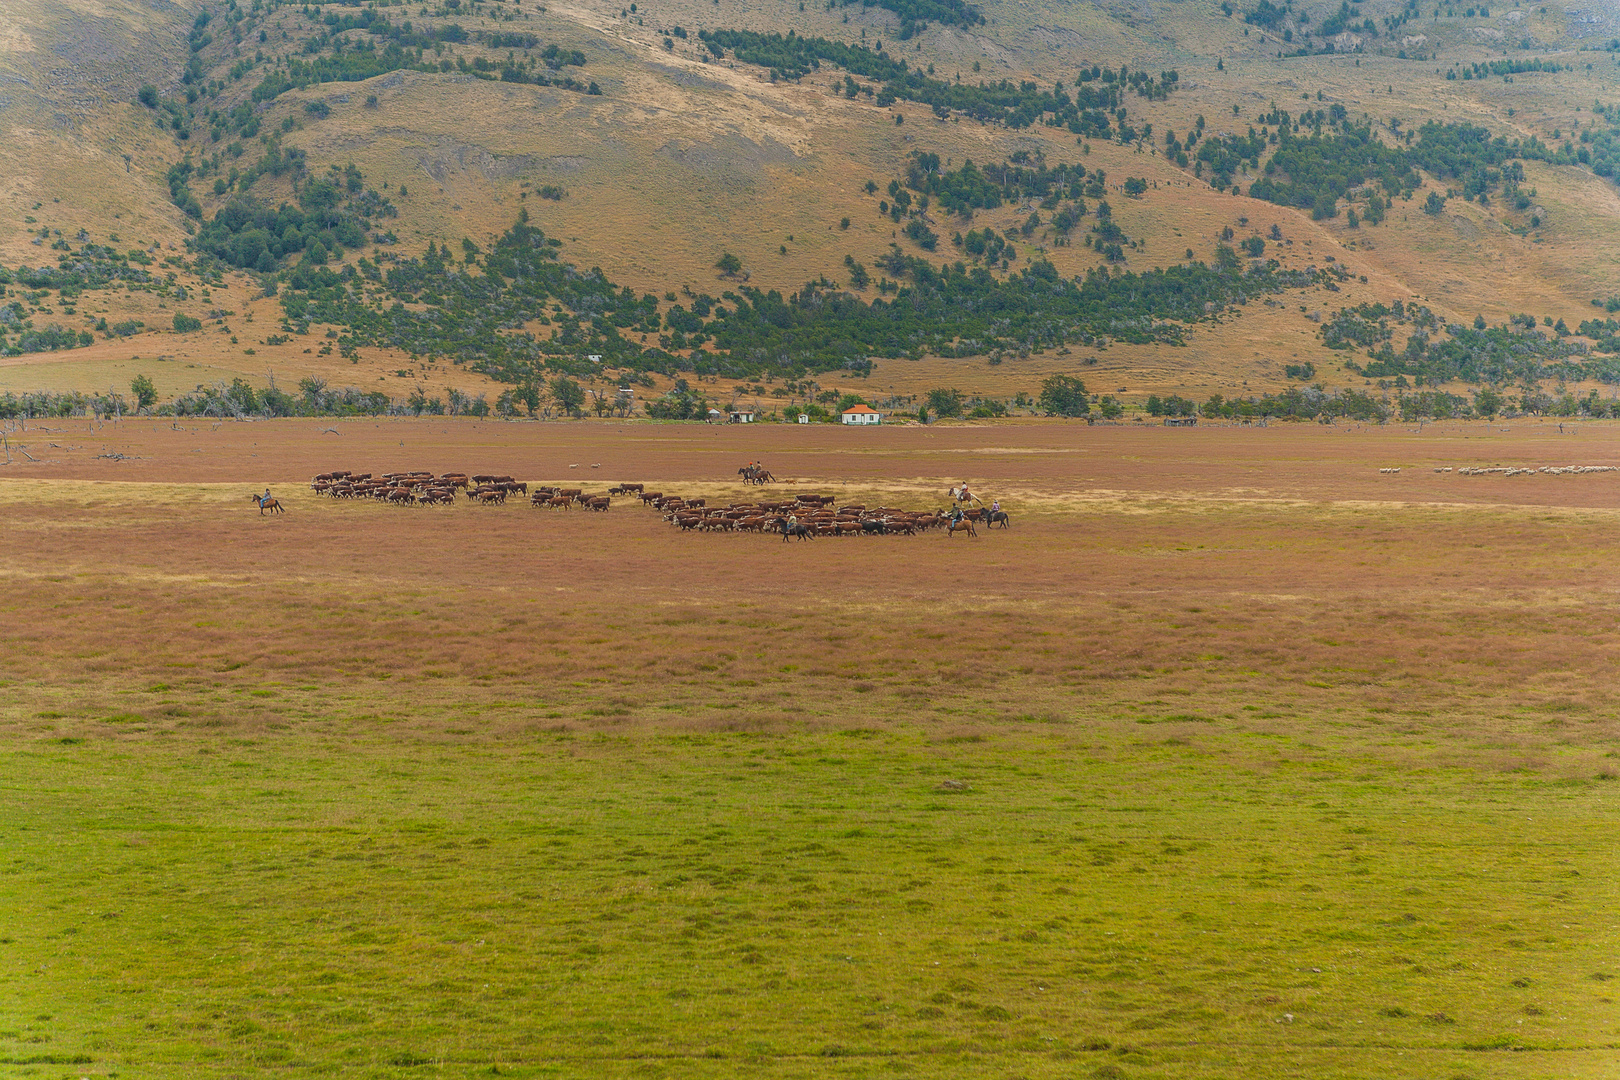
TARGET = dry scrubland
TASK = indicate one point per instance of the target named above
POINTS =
(1233, 757)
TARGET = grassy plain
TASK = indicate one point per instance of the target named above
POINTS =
(1233, 757)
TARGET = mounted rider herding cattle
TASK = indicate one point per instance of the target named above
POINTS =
(267, 502)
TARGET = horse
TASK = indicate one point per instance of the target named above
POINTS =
(993, 518)
(755, 474)
(798, 529)
(267, 503)
(964, 525)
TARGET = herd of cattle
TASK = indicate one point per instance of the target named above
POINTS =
(803, 517)
(427, 489)
(806, 517)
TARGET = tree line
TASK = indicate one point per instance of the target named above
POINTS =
(1090, 112)
(1317, 170)
(334, 212)
(527, 311)
(971, 187)
(1435, 352)
(915, 15)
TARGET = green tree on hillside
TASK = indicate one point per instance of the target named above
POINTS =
(729, 264)
(945, 402)
(145, 393)
(1065, 395)
(568, 394)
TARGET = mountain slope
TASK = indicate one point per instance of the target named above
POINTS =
(690, 151)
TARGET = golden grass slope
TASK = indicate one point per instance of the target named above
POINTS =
(684, 159)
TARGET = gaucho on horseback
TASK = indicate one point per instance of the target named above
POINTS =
(268, 502)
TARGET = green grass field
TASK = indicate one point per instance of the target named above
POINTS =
(1308, 795)
(801, 905)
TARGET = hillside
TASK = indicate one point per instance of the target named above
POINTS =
(1167, 199)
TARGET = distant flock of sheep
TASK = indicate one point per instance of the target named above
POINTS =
(1550, 470)
(1514, 470)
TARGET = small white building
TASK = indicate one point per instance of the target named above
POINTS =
(862, 414)
(804, 418)
(742, 416)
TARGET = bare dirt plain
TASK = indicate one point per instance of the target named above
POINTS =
(1232, 757)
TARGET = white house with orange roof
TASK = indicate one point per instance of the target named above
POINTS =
(861, 414)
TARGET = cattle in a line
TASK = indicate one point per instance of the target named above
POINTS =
(804, 516)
